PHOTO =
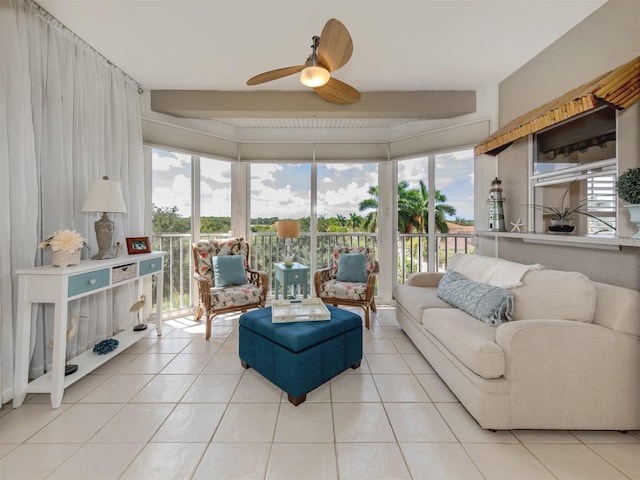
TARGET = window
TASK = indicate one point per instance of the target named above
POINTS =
(279, 191)
(577, 157)
(453, 212)
(215, 196)
(171, 191)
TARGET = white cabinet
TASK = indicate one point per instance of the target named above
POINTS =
(61, 285)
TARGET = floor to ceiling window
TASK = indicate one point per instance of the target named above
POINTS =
(451, 213)
(176, 179)
(334, 203)
(279, 191)
(347, 206)
(215, 196)
(454, 203)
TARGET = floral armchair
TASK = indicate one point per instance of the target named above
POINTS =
(237, 291)
(336, 289)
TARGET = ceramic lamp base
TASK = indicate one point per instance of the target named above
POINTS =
(104, 235)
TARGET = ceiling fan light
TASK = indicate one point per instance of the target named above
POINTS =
(314, 76)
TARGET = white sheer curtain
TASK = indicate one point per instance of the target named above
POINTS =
(67, 117)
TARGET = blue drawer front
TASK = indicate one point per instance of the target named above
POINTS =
(295, 276)
(85, 282)
(150, 266)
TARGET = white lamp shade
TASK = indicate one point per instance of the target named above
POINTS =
(104, 196)
(314, 76)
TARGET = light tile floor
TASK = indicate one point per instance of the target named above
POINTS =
(178, 407)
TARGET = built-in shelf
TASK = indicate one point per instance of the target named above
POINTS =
(584, 241)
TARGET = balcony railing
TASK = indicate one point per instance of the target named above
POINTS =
(267, 249)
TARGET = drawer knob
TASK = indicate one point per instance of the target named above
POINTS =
(152, 265)
(92, 281)
(295, 276)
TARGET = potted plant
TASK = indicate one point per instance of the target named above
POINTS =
(628, 187)
(562, 216)
(65, 247)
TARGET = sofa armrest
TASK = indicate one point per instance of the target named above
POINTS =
(575, 368)
(555, 344)
(424, 279)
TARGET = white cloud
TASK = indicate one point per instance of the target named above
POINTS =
(215, 170)
(163, 161)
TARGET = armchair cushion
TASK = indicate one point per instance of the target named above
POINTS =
(235, 296)
(352, 268)
(229, 270)
(344, 290)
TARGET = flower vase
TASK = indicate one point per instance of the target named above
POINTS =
(634, 217)
(60, 258)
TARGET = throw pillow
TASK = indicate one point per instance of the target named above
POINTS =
(492, 305)
(352, 267)
(229, 270)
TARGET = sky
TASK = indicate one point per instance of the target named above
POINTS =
(283, 190)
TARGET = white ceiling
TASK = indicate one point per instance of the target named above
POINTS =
(398, 44)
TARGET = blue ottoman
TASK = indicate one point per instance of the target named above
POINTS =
(300, 356)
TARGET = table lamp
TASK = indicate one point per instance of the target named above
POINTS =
(288, 229)
(104, 196)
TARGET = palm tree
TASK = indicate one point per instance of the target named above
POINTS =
(370, 222)
(355, 221)
(413, 208)
(442, 209)
(410, 208)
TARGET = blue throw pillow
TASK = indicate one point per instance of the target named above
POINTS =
(492, 305)
(229, 270)
(352, 267)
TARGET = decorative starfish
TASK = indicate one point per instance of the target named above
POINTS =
(517, 226)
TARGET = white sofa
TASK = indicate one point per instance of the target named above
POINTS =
(569, 359)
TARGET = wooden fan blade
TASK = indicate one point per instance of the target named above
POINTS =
(336, 91)
(335, 46)
(274, 74)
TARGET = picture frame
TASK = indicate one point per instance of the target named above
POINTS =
(137, 245)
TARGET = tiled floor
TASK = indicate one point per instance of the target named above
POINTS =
(179, 407)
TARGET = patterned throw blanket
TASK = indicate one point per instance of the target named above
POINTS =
(492, 305)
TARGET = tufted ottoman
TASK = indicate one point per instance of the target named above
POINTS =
(300, 356)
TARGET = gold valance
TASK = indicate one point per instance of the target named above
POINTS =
(619, 87)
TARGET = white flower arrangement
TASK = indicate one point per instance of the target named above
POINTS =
(67, 241)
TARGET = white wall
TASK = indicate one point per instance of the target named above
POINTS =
(605, 40)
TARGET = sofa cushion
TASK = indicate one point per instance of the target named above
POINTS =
(555, 294)
(487, 303)
(491, 270)
(470, 341)
(415, 299)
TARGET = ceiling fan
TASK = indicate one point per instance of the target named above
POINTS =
(330, 51)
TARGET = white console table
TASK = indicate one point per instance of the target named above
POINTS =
(60, 286)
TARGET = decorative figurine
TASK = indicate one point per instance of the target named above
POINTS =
(118, 249)
(496, 207)
(69, 368)
(136, 307)
(517, 225)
